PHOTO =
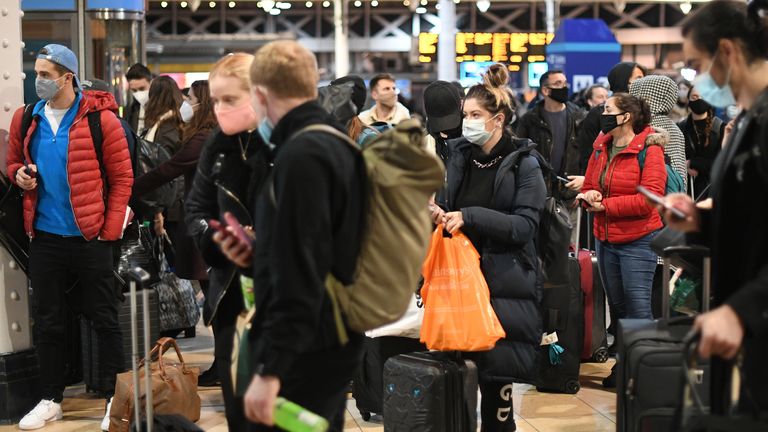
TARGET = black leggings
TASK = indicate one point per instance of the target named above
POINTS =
(496, 407)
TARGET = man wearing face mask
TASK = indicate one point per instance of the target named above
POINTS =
(553, 125)
(139, 79)
(386, 109)
(442, 104)
(72, 214)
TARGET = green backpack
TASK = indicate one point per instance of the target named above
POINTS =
(402, 176)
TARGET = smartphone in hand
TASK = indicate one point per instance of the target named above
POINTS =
(238, 229)
(659, 200)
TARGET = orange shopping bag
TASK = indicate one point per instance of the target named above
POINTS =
(457, 306)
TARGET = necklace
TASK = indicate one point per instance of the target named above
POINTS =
(244, 149)
(487, 164)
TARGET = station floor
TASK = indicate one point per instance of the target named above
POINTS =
(593, 409)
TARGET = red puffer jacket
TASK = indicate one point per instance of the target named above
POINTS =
(83, 173)
(627, 216)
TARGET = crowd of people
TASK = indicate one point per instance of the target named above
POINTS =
(302, 200)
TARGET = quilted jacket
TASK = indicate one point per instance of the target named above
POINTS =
(627, 216)
(85, 180)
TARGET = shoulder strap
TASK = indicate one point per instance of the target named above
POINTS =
(94, 124)
(641, 157)
(26, 122)
(330, 130)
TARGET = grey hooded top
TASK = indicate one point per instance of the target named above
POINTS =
(660, 92)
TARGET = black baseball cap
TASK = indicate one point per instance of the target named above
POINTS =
(442, 104)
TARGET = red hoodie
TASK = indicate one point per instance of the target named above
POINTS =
(83, 173)
(628, 216)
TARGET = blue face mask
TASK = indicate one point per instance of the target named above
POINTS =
(265, 130)
(720, 97)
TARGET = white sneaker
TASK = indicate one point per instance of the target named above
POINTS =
(45, 411)
(105, 422)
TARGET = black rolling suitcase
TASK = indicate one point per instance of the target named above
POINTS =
(368, 385)
(650, 359)
(150, 422)
(563, 313)
(90, 342)
(430, 392)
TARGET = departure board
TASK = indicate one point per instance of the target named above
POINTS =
(510, 48)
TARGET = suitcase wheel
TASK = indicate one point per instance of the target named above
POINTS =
(600, 356)
(190, 332)
(572, 387)
(366, 416)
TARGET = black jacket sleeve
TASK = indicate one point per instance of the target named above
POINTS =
(182, 162)
(588, 132)
(201, 205)
(519, 227)
(304, 188)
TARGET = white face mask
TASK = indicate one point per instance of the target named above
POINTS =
(141, 96)
(474, 131)
(187, 111)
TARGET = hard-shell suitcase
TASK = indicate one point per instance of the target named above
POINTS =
(149, 422)
(90, 342)
(563, 314)
(430, 392)
(19, 385)
(595, 346)
(368, 384)
(650, 359)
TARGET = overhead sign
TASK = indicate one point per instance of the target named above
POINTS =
(514, 49)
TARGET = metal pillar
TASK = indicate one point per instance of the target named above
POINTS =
(446, 47)
(15, 332)
(341, 40)
(552, 7)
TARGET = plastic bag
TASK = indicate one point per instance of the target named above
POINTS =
(408, 326)
(457, 307)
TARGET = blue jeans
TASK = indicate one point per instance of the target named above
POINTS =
(627, 272)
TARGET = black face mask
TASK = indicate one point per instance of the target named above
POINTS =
(699, 106)
(559, 94)
(609, 122)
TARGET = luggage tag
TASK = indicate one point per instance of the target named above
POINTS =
(554, 349)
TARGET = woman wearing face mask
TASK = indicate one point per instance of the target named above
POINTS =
(625, 223)
(232, 168)
(162, 120)
(727, 43)
(188, 262)
(494, 194)
(703, 139)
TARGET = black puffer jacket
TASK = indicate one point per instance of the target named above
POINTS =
(508, 259)
(224, 182)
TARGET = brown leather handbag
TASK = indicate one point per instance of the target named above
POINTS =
(174, 388)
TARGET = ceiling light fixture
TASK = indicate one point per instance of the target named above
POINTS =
(686, 7)
(483, 5)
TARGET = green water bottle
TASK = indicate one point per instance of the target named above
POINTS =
(246, 284)
(294, 418)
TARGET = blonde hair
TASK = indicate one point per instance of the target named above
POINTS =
(287, 69)
(235, 65)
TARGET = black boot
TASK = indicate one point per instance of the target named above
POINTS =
(209, 378)
(610, 381)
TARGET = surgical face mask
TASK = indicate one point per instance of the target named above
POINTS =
(559, 94)
(265, 130)
(719, 97)
(47, 89)
(141, 96)
(609, 122)
(238, 119)
(474, 131)
(187, 111)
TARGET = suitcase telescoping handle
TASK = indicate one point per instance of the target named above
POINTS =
(667, 255)
(138, 276)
